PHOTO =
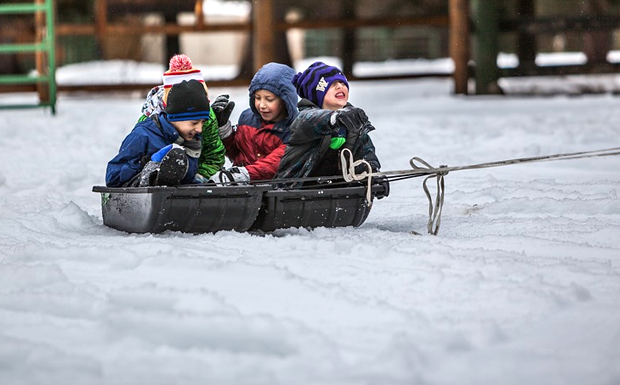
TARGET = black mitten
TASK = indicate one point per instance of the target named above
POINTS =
(353, 118)
(222, 107)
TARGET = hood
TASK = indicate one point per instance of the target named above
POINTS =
(277, 78)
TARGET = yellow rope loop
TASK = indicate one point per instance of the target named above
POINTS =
(349, 175)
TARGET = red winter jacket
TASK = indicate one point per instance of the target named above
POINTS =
(258, 145)
(259, 150)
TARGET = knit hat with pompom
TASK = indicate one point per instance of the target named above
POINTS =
(314, 82)
(181, 68)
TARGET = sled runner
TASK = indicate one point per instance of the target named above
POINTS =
(204, 209)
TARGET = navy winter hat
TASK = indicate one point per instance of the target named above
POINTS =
(314, 82)
(187, 100)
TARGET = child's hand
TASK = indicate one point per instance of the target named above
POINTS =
(339, 136)
(222, 107)
(232, 176)
(352, 118)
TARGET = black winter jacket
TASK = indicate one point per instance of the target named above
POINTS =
(307, 152)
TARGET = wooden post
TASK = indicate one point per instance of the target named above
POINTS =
(486, 32)
(200, 16)
(459, 43)
(263, 29)
(40, 56)
(526, 42)
(101, 20)
(348, 11)
(597, 43)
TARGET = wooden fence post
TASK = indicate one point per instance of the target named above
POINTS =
(264, 29)
(526, 42)
(459, 43)
(101, 21)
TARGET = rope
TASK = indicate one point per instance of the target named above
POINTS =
(349, 175)
(546, 158)
(434, 211)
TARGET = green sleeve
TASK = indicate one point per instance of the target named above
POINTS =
(212, 153)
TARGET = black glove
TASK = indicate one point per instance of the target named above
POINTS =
(384, 184)
(353, 118)
(222, 107)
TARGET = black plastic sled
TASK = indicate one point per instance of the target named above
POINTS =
(208, 209)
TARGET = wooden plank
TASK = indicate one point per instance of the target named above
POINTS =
(173, 29)
(431, 21)
(589, 69)
(557, 24)
(139, 29)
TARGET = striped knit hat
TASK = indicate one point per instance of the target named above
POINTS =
(181, 68)
(314, 82)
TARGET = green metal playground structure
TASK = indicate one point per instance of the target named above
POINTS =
(43, 48)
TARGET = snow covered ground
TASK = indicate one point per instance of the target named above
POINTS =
(521, 286)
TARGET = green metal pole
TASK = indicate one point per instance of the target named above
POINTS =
(51, 53)
(486, 45)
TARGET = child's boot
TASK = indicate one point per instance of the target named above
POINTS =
(173, 168)
(148, 175)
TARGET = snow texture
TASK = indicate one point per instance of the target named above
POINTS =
(521, 286)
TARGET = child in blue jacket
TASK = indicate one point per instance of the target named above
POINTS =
(164, 149)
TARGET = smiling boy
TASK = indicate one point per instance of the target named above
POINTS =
(326, 124)
(256, 144)
(164, 148)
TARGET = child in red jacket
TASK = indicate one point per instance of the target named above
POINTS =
(256, 145)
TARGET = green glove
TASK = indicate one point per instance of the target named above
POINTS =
(337, 142)
(339, 136)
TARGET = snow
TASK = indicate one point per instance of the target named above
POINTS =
(521, 286)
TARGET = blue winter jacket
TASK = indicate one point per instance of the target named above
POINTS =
(146, 138)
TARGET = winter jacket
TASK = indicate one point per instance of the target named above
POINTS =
(212, 154)
(308, 152)
(146, 138)
(256, 144)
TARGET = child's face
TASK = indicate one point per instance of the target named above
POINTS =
(336, 96)
(188, 128)
(269, 106)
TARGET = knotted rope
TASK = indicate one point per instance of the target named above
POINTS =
(349, 175)
(434, 211)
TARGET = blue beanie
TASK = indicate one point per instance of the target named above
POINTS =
(314, 82)
(188, 100)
